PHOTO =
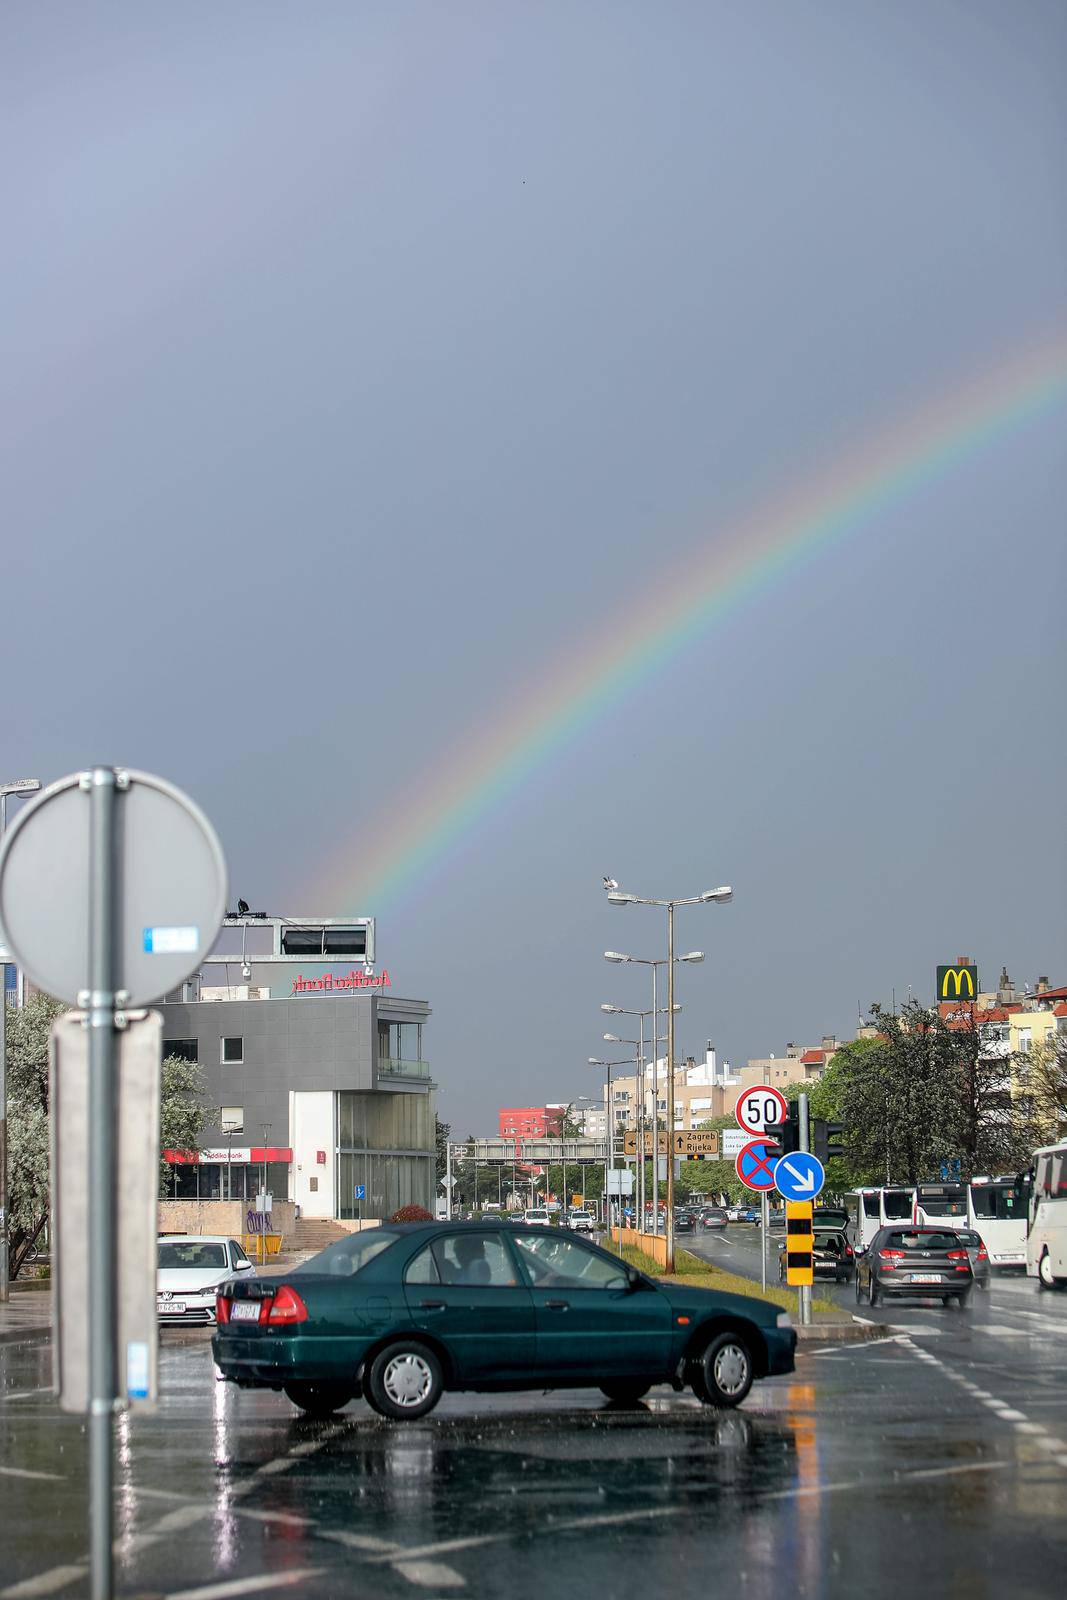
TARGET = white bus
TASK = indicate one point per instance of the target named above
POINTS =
(871, 1208)
(1046, 1242)
(997, 1210)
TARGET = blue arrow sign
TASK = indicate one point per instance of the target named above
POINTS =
(361, 1191)
(799, 1176)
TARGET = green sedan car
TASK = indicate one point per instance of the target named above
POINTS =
(398, 1314)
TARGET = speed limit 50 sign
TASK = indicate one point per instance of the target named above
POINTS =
(757, 1108)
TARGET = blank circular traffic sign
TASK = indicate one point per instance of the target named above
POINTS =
(758, 1107)
(170, 888)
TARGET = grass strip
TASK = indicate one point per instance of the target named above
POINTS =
(703, 1275)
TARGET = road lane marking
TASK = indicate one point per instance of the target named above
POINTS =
(359, 1541)
(24, 1472)
(44, 1583)
(430, 1574)
(23, 1394)
(237, 1586)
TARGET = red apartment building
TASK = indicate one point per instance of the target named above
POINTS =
(529, 1122)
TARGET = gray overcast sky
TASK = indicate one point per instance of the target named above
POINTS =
(360, 358)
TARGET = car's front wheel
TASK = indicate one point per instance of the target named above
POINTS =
(1045, 1276)
(320, 1399)
(404, 1381)
(724, 1372)
(625, 1393)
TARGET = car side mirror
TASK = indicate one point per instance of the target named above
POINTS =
(861, 1250)
(243, 1266)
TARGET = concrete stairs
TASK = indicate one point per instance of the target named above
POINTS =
(313, 1234)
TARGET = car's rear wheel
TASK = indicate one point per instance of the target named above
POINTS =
(1045, 1276)
(404, 1381)
(873, 1292)
(859, 1291)
(724, 1372)
(320, 1399)
(626, 1393)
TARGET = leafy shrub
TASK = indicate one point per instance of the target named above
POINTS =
(411, 1214)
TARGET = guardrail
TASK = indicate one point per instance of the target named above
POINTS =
(650, 1244)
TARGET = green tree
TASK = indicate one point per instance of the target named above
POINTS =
(28, 1030)
(1043, 1080)
(183, 1110)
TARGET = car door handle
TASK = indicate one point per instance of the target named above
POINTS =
(557, 1305)
(431, 1305)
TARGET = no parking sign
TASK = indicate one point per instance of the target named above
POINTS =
(755, 1165)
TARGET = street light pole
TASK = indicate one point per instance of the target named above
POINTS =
(19, 786)
(618, 897)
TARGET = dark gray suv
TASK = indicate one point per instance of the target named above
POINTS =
(917, 1263)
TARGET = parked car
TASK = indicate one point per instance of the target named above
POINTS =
(713, 1217)
(832, 1256)
(914, 1262)
(582, 1222)
(189, 1269)
(401, 1313)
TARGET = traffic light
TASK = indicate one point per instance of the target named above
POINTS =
(784, 1137)
(826, 1139)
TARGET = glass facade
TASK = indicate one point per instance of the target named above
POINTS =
(386, 1145)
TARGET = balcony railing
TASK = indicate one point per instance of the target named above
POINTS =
(388, 1067)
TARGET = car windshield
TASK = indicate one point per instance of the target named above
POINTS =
(193, 1255)
(346, 1257)
(918, 1239)
(537, 1214)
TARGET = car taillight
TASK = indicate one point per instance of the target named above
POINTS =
(983, 1254)
(890, 1258)
(222, 1310)
(960, 1258)
(848, 1249)
(286, 1307)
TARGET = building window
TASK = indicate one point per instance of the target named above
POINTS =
(184, 1049)
(1025, 1035)
(233, 1051)
(232, 1119)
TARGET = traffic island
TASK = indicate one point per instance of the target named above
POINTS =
(840, 1327)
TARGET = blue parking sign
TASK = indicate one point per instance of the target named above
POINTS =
(361, 1191)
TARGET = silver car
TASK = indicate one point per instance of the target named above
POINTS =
(189, 1268)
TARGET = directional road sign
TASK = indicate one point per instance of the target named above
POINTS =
(755, 1166)
(799, 1176)
(360, 1191)
(696, 1142)
(733, 1141)
(758, 1107)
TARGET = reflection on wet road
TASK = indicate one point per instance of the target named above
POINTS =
(935, 1458)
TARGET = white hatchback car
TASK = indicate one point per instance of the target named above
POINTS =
(189, 1268)
(537, 1216)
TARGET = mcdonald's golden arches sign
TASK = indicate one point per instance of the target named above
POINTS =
(957, 983)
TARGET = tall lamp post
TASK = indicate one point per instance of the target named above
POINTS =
(18, 786)
(609, 1149)
(615, 957)
(626, 1011)
(720, 896)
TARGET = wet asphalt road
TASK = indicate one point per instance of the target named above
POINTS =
(935, 1460)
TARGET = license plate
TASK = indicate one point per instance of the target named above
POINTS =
(170, 1308)
(244, 1311)
(926, 1277)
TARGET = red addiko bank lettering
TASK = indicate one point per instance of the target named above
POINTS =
(331, 983)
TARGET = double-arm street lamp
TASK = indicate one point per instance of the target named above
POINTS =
(616, 957)
(613, 1038)
(609, 1148)
(619, 897)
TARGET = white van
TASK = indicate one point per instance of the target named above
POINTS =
(537, 1216)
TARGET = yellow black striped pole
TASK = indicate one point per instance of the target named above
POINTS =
(799, 1244)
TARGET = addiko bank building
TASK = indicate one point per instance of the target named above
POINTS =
(317, 1071)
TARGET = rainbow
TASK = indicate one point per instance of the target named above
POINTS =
(764, 546)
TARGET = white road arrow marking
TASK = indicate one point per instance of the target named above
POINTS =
(803, 1180)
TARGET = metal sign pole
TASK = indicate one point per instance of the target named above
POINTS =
(804, 1292)
(102, 1176)
(764, 1230)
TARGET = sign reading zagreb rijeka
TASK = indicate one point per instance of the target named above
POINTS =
(957, 983)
